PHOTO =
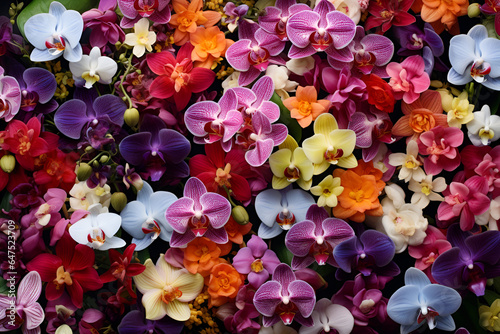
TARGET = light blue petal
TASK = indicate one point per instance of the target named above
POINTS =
(299, 202)
(266, 232)
(403, 306)
(70, 26)
(133, 216)
(42, 55)
(166, 232)
(57, 9)
(73, 55)
(490, 52)
(38, 28)
(413, 276)
(461, 52)
(144, 194)
(478, 33)
(144, 242)
(268, 206)
(492, 83)
(406, 329)
(441, 298)
(159, 203)
(445, 323)
(459, 79)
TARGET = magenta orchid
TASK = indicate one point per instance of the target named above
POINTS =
(441, 146)
(197, 214)
(275, 18)
(408, 79)
(257, 100)
(133, 10)
(10, 96)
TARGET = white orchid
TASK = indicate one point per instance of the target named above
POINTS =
(328, 317)
(409, 162)
(484, 129)
(282, 85)
(93, 68)
(427, 190)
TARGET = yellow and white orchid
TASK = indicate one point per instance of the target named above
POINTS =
(141, 39)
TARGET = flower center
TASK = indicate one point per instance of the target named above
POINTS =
(366, 305)
(222, 176)
(427, 313)
(257, 266)
(332, 155)
(305, 108)
(62, 277)
(147, 8)
(411, 162)
(480, 69)
(169, 294)
(151, 226)
(358, 196)
(292, 173)
(96, 237)
(55, 44)
(259, 58)
(285, 219)
(320, 40)
(198, 225)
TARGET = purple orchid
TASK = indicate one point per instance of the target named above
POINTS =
(322, 29)
(275, 17)
(157, 149)
(91, 116)
(256, 260)
(37, 90)
(8, 40)
(234, 14)
(133, 10)
(286, 298)
(198, 214)
(257, 99)
(370, 53)
(104, 28)
(253, 52)
(10, 96)
(315, 238)
(472, 260)
(135, 322)
(210, 122)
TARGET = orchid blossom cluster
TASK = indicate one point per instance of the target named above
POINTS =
(250, 166)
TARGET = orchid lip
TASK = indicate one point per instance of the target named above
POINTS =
(151, 227)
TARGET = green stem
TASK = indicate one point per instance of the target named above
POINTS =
(129, 67)
(229, 196)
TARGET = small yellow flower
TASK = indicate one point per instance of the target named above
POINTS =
(328, 190)
(459, 110)
(141, 39)
(489, 316)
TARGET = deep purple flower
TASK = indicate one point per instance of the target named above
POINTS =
(241, 322)
(256, 260)
(133, 10)
(198, 214)
(315, 238)
(157, 149)
(253, 52)
(104, 27)
(7, 38)
(472, 260)
(135, 322)
(99, 176)
(286, 298)
(234, 14)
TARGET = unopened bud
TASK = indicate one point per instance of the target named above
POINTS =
(131, 117)
(473, 10)
(118, 201)
(12, 12)
(95, 164)
(8, 163)
(84, 171)
(240, 215)
(20, 6)
(138, 72)
(89, 149)
(311, 277)
(122, 57)
(104, 158)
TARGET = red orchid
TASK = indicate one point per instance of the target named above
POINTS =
(217, 169)
(387, 13)
(71, 268)
(177, 76)
(492, 7)
(25, 142)
(122, 269)
(58, 170)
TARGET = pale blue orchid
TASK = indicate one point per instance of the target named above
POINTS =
(144, 219)
(475, 56)
(279, 210)
(420, 302)
(55, 33)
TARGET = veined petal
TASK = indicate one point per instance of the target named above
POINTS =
(300, 238)
(149, 279)
(80, 230)
(324, 124)
(29, 289)
(190, 285)
(237, 55)
(303, 296)
(70, 26)
(267, 297)
(177, 310)
(151, 300)
(217, 208)
(442, 299)
(416, 277)
(461, 52)
(403, 306)
(38, 28)
(315, 148)
(199, 114)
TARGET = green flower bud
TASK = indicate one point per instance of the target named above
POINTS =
(84, 171)
(8, 163)
(473, 10)
(20, 6)
(12, 12)
(118, 201)
(104, 158)
(131, 117)
(240, 215)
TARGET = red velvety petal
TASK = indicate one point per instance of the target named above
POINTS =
(76, 293)
(88, 279)
(240, 187)
(182, 97)
(216, 154)
(200, 79)
(65, 249)
(201, 164)
(52, 292)
(162, 87)
(135, 269)
(46, 265)
(157, 61)
(83, 258)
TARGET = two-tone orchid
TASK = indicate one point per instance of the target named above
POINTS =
(275, 17)
(484, 129)
(329, 317)
(10, 96)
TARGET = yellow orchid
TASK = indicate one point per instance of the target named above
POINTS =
(328, 190)
(167, 290)
(459, 110)
(330, 145)
(289, 164)
(489, 316)
(141, 39)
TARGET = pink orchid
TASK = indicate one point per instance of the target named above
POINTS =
(275, 17)
(441, 146)
(10, 96)
(92, 320)
(197, 214)
(48, 214)
(61, 227)
(464, 200)
(29, 313)
(177, 76)
(387, 13)
(104, 27)
(408, 79)
(133, 10)
(483, 161)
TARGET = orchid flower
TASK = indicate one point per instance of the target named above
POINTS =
(315, 238)
(233, 14)
(275, 17)
(408, 78)
(54, 34)
(134, 10)
(329, 317)
(286, 298)
(197, 214)
(410, 163)
(419, 302)
(97, 230)
(141, 39)
(279, 210)
(426, 190)
(93, 68)
(10, 96)
(473, 57)
(257, 99)
(484, 129)
(328, 190)
(144, 219)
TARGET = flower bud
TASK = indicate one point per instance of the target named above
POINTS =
(20, 6)
(118, 201)
(131, 117)
(84, 171)
(473, 10)
(8, 163)
(311, 277)
(240, 215)
(12, 11)
(104, 158)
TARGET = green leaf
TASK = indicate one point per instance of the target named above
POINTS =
(293, 126)
(3, 286)
(5, 201)
(491, 296)
(42, 6)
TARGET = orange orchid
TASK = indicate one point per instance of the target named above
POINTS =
(224, 284)
(359, 198)
(420, 116)
(367, 168)
(442, 13)
(209, 45)
(305, 106)
(201, 255)
(235, 231)
(188, 16)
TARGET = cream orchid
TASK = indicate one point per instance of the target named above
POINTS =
(328, 190)
(458, 108)
(426, 191)
(410, 163)
(141, 39)
(484, 128)
(282, 85)
(82, 197)
(167, 290)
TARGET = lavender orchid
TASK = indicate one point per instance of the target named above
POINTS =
(419, 302)
(275, 18)
(157, 149)
(315, 238)
(257, 99)
(234, 14)
(144, 219)
(10, 96)
(321, 29)
(472, 260)
(197, 214)
(286, 298)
